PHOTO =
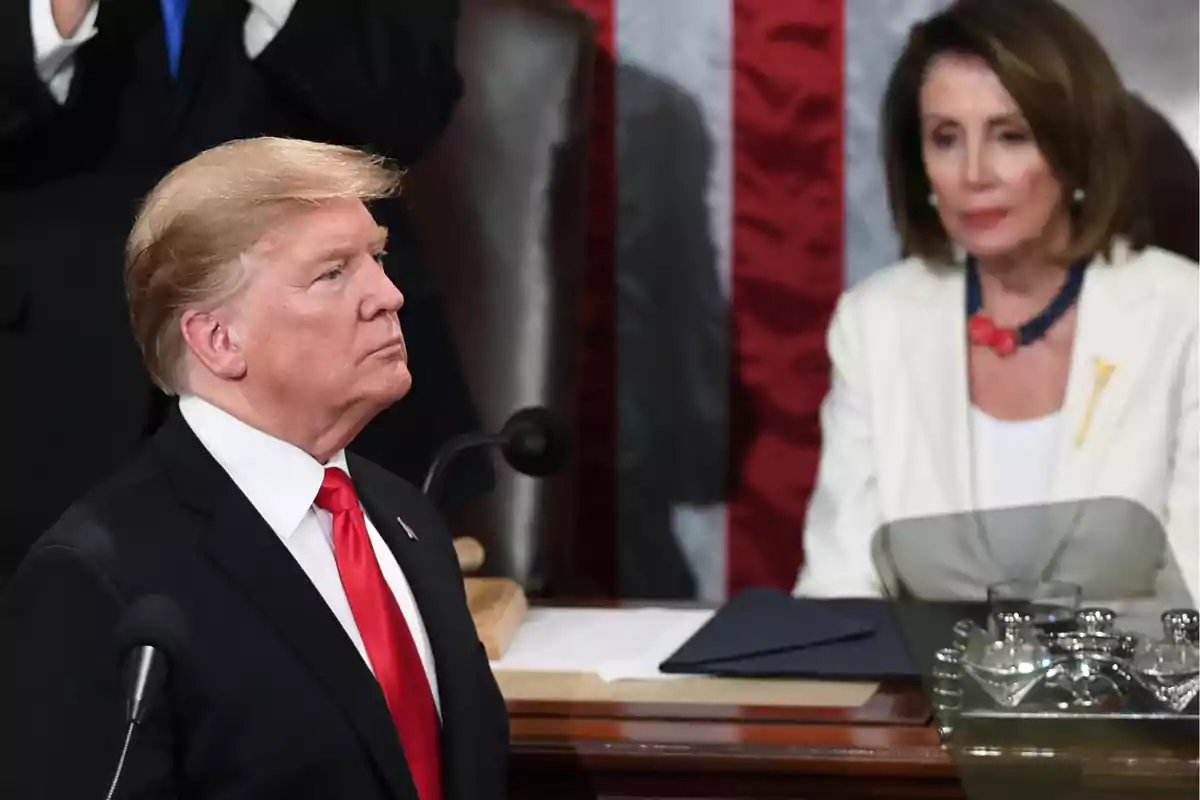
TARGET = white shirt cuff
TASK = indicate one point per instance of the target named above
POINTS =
(264, 22)
(52, 54)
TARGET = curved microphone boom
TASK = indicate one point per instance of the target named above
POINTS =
(534, 441)
(152, 629)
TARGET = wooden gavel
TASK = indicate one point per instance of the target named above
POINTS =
(470, 554)
(497, 605)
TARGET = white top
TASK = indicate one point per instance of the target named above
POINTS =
(52, 54)
(281, 481)
(1013, 466)
(1014, 459)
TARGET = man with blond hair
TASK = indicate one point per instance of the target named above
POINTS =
(99, 99)
(326, 649)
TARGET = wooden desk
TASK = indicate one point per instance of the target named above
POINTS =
(885, 748)
(585, 750)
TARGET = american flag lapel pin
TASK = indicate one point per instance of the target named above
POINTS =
(407, 529)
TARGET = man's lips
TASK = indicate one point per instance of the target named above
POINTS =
(392, 346)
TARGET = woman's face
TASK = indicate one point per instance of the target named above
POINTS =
(994, 190)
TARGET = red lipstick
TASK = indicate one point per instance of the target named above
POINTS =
(984, 219)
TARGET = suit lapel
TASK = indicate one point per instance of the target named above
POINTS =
(1112, 337)
(937, 362)
(436, 582)
(244, 547)
(131, 52)
(203, 26)
(935, 347)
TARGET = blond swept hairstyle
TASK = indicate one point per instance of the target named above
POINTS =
(187, 244)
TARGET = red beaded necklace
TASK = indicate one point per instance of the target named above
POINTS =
(982, 331)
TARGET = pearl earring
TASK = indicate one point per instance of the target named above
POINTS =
(1077, 195)
(933, 200)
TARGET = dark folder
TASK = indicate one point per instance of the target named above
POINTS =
(759, 623)
(767, 633)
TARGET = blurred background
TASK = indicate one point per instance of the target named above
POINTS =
(753, 125)
(639, 213)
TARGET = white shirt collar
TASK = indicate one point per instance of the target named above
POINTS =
(279, 479)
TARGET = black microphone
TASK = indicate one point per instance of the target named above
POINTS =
(152, 629)
(534, 441)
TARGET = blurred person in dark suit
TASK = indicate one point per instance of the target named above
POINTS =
(98, 100)
(326, 649)
(671, 391)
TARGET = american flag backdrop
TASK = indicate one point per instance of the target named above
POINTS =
(735, 191)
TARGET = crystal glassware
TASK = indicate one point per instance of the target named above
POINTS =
(1170, 668)
(1050, 605)
(1009, 666)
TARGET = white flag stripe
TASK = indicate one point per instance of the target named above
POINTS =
(875, 34)
(687, 45)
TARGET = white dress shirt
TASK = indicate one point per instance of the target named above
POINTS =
(281, 481)
(52, 54)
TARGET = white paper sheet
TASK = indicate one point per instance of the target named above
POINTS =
(614, 643)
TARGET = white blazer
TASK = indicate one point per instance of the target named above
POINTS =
(896, 425)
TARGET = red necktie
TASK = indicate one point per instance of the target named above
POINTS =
(385, 633)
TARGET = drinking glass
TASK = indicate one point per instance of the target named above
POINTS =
(1050, 605)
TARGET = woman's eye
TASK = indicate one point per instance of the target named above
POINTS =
(1014, 137)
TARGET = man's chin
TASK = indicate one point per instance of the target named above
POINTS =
(383, 390)
(397, 385)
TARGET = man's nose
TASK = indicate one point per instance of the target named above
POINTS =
(384, 296)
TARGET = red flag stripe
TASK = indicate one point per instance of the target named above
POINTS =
(592, 567)
(787, 272)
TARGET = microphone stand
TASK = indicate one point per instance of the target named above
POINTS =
(497, 605)
(121, 762)
(136, 707)
(446, 454)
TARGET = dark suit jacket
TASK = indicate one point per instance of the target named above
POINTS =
(672, 403)
(269, 698)
(76, 400)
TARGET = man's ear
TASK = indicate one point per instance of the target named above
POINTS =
(213, 343)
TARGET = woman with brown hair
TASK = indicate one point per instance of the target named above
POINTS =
(1032, 350)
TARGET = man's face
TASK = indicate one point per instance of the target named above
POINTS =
(317, 323)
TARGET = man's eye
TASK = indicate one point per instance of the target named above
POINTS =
(379, 257)
(331, 274)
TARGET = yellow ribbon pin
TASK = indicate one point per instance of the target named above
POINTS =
(1104, 372)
